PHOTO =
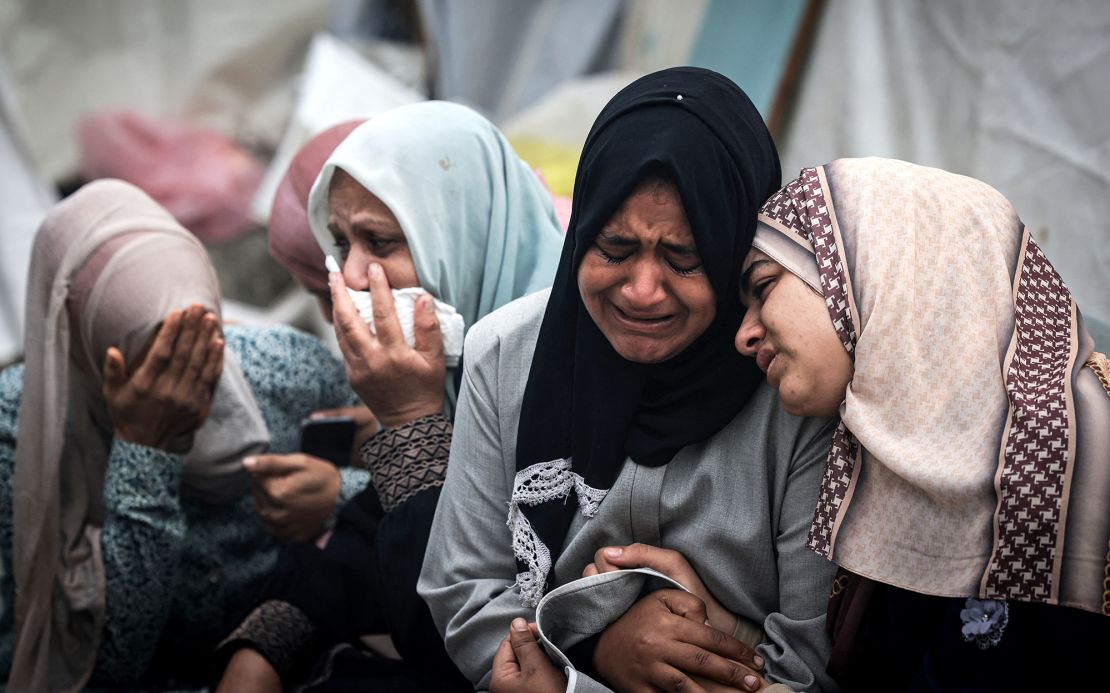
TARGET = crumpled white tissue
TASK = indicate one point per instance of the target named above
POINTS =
(451, 324)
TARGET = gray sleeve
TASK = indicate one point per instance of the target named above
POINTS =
(797, 648)
(469, 570)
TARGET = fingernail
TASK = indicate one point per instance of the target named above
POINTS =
(758, 661)
(249, 462)
(519, 624)
(429, 305)
(751, 682)
(375, 270)
(614, 552)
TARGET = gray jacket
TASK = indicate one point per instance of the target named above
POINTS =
(737, 506)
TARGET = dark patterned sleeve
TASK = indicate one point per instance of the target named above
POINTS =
(363, 580)
(278, 631)
(406, 460)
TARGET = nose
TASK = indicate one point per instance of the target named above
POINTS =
(751, 332)
(644, 287)
(355, 269)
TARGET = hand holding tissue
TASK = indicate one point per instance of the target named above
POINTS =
(451, 324)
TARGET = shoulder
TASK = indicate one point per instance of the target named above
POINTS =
(282, 361)
(273, 341)
(512, 327)
(787, 439)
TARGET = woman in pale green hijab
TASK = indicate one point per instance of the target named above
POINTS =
(430, 202)
(434, 194)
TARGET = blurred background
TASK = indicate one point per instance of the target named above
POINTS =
(203, 102)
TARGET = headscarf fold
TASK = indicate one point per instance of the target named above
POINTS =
(107, 265)
(973, 455)
(478, 222)
(585, 407)
(292, 243)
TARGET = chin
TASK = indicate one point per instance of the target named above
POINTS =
(642, 353)
(793, 409)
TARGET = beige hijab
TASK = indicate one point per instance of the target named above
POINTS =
(973, 457)
(108, 264)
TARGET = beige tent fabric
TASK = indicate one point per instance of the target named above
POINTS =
(973, 458)
(119, 296)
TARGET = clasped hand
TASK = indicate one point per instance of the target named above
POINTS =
(668, 640)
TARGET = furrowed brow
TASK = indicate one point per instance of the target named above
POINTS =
(614, 239)
(680, 249)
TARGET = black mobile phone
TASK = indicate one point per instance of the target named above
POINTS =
(329, 438)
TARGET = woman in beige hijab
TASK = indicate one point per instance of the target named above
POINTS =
(129, 513)
(966, 497)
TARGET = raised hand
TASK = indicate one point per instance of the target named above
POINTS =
(163, 399)
(399, 383)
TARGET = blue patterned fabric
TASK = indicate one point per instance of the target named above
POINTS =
(174, 565)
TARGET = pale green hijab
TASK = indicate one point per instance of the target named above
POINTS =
(478, 221)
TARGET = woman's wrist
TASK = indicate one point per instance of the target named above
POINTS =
(410, 414)
(178, 445)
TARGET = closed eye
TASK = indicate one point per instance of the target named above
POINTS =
(684, 271)
(611, 259)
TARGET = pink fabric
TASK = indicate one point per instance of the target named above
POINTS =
(291, 241)
(201, 177)
(562, 204)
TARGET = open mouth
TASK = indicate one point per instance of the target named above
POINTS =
(644, 323)
(764, 359)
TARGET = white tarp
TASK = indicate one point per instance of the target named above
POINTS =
(24, 200)
(338, 84)
(223, 64)
(500, 56)
(1012, 92)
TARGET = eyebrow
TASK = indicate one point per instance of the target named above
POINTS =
(369, 225)
(623, 242)
(746, 277)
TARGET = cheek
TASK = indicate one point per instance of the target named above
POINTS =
(400, 270)
(594, 277)
(697, 296)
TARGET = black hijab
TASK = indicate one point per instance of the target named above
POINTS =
(583, 401)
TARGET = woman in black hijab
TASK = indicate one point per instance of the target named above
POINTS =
(622, 388)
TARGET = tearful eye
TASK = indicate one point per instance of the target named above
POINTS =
(343, 246)
(684, 271)
(761, 288)
(380, 244)
(610, 259)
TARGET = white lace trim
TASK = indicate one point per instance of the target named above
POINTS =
(540, 483)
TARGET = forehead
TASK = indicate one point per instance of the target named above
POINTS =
(652, 211)
(345, 190)
(348, 199)
(754, 255)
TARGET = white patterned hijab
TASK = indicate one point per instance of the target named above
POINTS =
(973, 455)
(107, 265)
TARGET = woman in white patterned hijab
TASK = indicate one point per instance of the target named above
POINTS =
(973, 456)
